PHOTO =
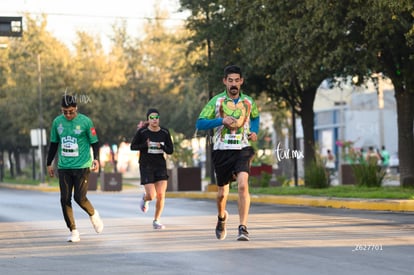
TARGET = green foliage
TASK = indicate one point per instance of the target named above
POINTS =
(265, 179)
(283, 180)
(115, 89)
(183, 154)
(316, 176)
(260, 181)
(369, 175)
(289, 47)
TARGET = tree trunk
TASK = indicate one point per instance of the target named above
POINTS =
(16, 153)
(1, 165)
(405, 106)
(308, 124)
(11, 163)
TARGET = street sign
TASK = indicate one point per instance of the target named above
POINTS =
(35, 137)
(11, 26)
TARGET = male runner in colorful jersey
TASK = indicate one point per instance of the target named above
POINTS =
(235, 119)
(72, 135)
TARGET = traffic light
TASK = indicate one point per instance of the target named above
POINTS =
(11, 26)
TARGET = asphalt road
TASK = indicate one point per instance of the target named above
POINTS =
(284, 239)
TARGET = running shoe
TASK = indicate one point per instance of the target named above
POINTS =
(157, 225)
(243, 234)
(74, 236)
(221, 231)
(97, 222)
(144, 204)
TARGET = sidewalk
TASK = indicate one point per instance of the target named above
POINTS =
(358, 204)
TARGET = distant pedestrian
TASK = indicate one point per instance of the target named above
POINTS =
(330, 160)
(361, 156)
(372, 156)
(330, 163)
(153, 141)
(72, 135)
(385, 157)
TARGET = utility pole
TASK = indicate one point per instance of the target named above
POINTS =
(39, 87)
(209, 142)
(294, 143)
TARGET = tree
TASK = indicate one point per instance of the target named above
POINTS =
(167, 79)
(386, 37)
(293, 46)
(314, 41)
(31, 61)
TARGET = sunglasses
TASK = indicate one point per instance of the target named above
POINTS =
(69, 112)
(154, 117)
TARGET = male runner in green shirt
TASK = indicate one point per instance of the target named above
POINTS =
(72, 134)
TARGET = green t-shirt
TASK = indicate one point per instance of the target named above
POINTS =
(242, 110)
(385, 157)
(75, 138)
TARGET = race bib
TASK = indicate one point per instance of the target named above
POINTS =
(153, 148)
(233, 141)
(70, 149)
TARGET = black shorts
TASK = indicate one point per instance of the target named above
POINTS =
(228, 163)
(150, 174)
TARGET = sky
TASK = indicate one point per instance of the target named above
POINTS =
(65, 17)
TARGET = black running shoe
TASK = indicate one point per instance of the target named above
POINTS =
(243, 234)
(221, 231)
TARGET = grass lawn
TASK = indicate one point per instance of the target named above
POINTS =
(344, 191)
(53, 182)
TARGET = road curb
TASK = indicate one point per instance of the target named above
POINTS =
(359, 204)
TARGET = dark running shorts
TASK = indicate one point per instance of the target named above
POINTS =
(152, 174)
(228, 163)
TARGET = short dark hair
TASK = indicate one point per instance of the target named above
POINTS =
(232, 69)
(68, 101)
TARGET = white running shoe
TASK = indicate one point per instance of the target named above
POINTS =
(157, 225)
(97, 222)
(74, 236)
(144, 204)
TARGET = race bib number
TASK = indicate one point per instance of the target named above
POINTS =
(233, 141)
(70, 149)
(153, 148)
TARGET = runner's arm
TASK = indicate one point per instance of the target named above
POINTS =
(95, 149)
(52, 152)
(254, 124)
(205, 124)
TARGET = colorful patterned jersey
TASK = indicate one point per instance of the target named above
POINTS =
(242, 110)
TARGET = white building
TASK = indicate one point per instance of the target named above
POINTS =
(365, 115)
